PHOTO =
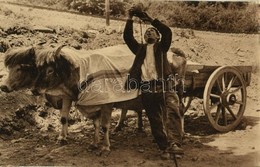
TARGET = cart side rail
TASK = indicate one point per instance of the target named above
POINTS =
(195, 81)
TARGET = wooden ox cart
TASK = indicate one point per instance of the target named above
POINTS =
(223, 89)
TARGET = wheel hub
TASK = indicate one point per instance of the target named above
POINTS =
(228, 99)
(231, 99)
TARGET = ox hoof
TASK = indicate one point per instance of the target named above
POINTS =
(117, 129)
(105, 148)
(102, 153)
(93, 147)
(105, 153)
(62, 141)
(98, 153)
(139, 130)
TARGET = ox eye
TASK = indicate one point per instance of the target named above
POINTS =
(18, 69)
(50, 71)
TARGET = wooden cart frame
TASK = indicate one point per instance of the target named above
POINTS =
(223, 89)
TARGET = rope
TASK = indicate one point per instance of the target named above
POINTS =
(141, 31)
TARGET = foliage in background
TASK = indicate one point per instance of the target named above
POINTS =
(238, 17)
(97, 7)
(235, 17)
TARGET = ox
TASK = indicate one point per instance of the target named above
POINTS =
(66, 75)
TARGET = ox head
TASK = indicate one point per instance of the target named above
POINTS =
(53, 74)
(53, 69)
(21, 67)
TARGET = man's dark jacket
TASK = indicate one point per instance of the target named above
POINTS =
(160, 52)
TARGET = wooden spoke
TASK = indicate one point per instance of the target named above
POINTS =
(217, 114)
(239, 102)
(233, 79)
(223, 82)
(231, 112)
(236, 90)
(224, 116)
(219, 86)
(214, 95)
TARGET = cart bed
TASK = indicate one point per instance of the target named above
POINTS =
(197, 76)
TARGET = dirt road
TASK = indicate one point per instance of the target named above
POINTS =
(28, 137)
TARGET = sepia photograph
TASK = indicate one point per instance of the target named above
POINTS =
(130, 83)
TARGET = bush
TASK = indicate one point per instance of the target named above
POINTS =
(237, 17)
(97, 7)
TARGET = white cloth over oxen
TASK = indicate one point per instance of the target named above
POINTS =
(105, 72)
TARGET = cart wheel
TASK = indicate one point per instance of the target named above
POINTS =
(224, 98)
(186, 101)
